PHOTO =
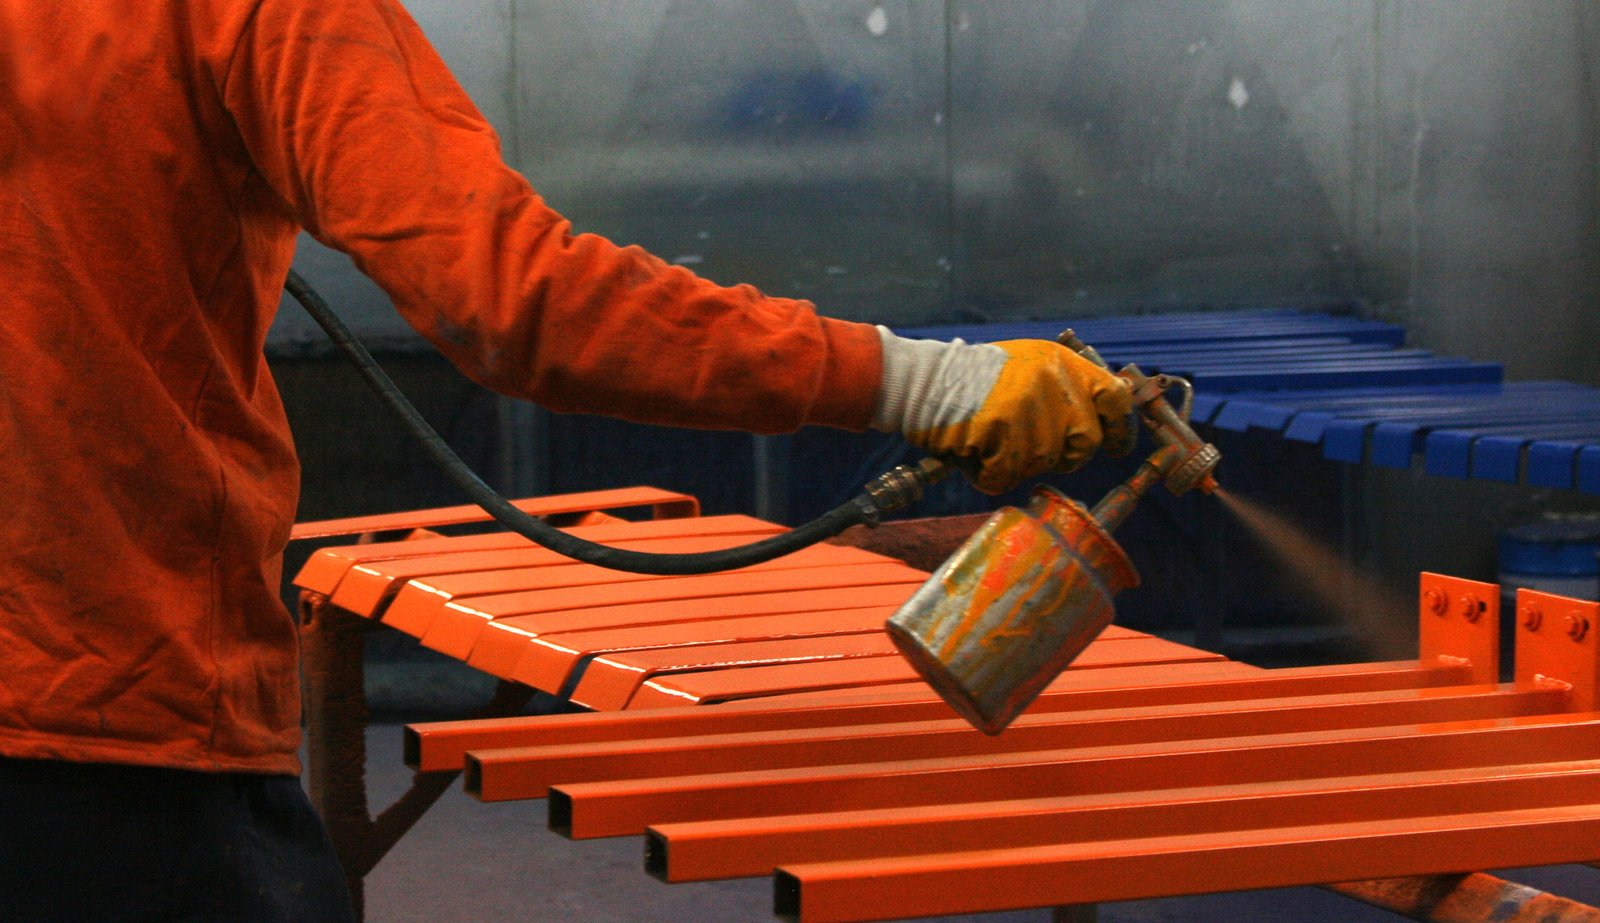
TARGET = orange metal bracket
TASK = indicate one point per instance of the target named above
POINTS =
(1459, 620)
(1556, 642)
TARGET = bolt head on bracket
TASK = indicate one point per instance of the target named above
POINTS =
(1460, 619)
(1555, 641)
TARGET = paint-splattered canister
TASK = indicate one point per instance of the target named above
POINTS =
(1013, 607)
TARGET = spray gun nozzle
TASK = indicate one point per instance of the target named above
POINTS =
(1192, 461)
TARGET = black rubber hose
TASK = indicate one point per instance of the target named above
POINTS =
(860, 509)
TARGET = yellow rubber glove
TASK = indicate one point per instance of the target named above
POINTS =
(1003, 412)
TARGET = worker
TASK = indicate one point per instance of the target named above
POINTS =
(157, 160)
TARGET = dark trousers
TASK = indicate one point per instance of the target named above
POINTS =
(92, 842)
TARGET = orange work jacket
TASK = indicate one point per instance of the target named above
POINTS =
(157, 159)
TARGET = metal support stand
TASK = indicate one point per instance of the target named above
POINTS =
(331, 643)
(1467, 898)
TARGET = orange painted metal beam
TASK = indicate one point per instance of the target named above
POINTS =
(727, 685)
(664, 504)
(442, 745)
(1042, 876)
(626, 807)
(530, 772)
(742, 847)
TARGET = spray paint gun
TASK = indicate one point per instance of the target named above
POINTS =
(1031, 588)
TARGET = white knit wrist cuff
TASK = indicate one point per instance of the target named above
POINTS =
(930, 383)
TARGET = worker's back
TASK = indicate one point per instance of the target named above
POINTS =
(156, 160)
(150, 475)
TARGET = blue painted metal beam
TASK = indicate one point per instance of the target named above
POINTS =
(1344, 382)
(1589, 469)
(1451, 452)
(1432, 372)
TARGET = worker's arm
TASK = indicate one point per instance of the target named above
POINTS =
(373, 146)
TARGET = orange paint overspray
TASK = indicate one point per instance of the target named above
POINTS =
(1380, 616)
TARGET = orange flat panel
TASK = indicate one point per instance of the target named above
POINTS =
(674, 589)
(743, 847)
(568, 573)
(627, 807)
(530, 771)
(460, 624)
(665, 504)
(611, 680)
(559, 602)
(367, 585)
(323, 570)
(416, 605)
(440, 745)
(498, 652)
(546, 661)
(455, 629)
(951, 883)
(726, 685)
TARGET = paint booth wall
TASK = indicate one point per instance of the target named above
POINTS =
(917, 161)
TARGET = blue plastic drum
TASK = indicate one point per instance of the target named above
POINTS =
(1557, 555)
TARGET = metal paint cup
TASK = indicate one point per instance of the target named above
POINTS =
(1013, 607)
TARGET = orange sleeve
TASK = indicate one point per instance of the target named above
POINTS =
(358, 125)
